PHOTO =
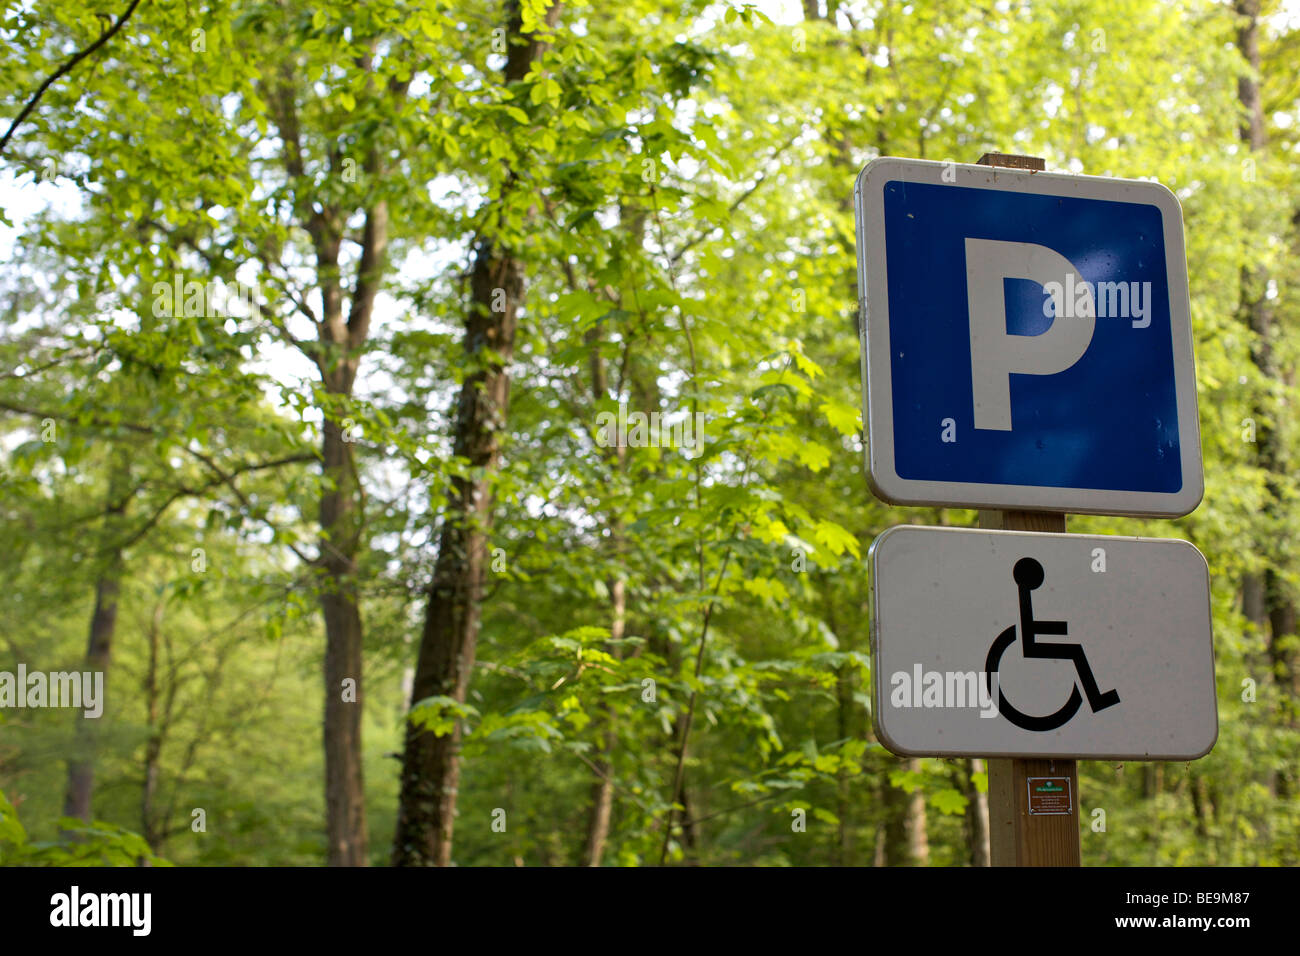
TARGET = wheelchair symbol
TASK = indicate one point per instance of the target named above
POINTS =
(1028, 575)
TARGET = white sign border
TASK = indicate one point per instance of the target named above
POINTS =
(877, 389)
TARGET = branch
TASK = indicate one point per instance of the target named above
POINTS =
(66, 357)
(281, 99)
(309, 349)
(229, 481)
(676, 256)
(719, 813)
(63, 416)
(374, 245)
(63, 70)
(186, 238)
(680, 769)
(370, 271)
(222, 478)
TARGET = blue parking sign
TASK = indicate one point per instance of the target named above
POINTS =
(1026, 341)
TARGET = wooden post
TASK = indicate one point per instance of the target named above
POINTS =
(1016, 837)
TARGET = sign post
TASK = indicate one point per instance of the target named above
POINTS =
(1015, 837)
(1027, 351)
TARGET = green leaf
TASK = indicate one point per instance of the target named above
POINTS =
(814, 456)
(949, 801)
(845, 419)
(836, 539)
(825, 816)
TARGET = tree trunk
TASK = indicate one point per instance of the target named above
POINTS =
(602, 789)
(345, 812)
(918, 843)
(843, 783)
(1156, 785)
(905, 841)
(430, 763)
(1200, 806)
(99, 652)
(892, 849)
(602, 802)
(342, 522)
(1252, 600)
(977, 812)
(151, 830)
(1257, 312)
(843, 731)
(99, 646)
(336, 354)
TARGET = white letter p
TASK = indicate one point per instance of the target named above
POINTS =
(995, 354)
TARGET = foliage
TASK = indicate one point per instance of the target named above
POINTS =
(676, 179)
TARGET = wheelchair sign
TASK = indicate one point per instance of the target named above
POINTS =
(1029, 575)
(1021, 644)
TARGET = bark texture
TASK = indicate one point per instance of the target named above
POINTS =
(99, 646)
(431, 763)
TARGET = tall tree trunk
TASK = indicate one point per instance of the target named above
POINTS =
(602, 798)
(1252, 601)
(843, 731)
(1155, 785)
(336, 354)
(918, 842)
(151, 830)
(1277, 601)
(843, 783)
(602, 789)
(99, 653)
(344, 783)
(99, 646)
(905, 839)
(686, 824)
(431, 763)
(1200, 806)
(892, 846)
(342, 523)
(977, 811)
(689, 828)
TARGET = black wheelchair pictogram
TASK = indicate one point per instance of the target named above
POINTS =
(1028, 575)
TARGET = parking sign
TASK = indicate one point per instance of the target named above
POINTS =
(1026, 340)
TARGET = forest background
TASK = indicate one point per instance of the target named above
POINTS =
(316, 319)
